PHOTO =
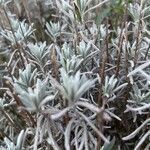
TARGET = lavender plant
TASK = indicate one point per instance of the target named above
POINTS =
(74, 74)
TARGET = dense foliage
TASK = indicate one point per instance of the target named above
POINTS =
(74, 74)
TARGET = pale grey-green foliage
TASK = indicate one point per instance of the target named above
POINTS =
(75, 86)
(84, 49)
(33, 98)
(54, 29)
(61, 89)
(39, 53)
(21, 31)
(26, 77)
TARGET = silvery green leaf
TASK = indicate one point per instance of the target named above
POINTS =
(120, 87)
(20, 140)
(68, 134)
(71, 65)
(26, 77)
(47, 99)
(66, 9)
(146, 75)
(90, 56)
(142, 140)
(28, 100)
(66, 51)
(1, 103)
(33, 99)
(84, 87)
(86, 138)
(135, 11)
(141, 67)
(54, 29)
(69, 61)
(102, 31)
(109, 146)
(138, 109)
(4, 2)
(8, 35)
(60, 113)
(113, 115)
(38, 52)
(81, 144)
(139, 96)
(89, 106)
(10, 145)
(36, 138)
(89, 122)
(75, 85)
(84, 49)
(133, 134)
(21, 31)
(109, 86)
